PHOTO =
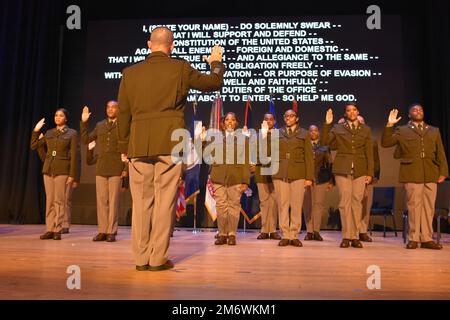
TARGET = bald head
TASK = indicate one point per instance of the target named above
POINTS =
(161, 39)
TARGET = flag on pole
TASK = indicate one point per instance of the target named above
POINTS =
(194, 117)
(214, 123)
(272, 110)
(295, 106)
(189, 188)
(181, 202)
(210, 201)
(248, 114)
(250, 199)
(216, 113)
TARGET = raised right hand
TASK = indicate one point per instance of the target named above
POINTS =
(86, 114)
(216, 55)
(393, 117)
(39, 125)
(329, 116)
(264, 129)
(264, 126)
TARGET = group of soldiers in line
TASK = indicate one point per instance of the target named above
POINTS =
(59, 151)
(306, 172)
(151, 103)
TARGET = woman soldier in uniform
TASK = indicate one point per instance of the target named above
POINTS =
(230, 179)
(60, 169)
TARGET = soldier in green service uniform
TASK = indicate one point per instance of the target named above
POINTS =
(109, 170)
(152, 98)
(423, 164)
(230, 178)
(266, 192)
(60, 169)
(353, 168)
(296, 172)
(315, 196)
(42, 152)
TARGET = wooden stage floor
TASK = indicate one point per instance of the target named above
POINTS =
(254, 269)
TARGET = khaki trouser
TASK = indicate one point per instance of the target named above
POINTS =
(68, 211)
(228, 204)
(351, 193)
(268, 206)
(289, 194)
(154, 188)
(108, 203)
(55, 193)
(367, 206)
(420, 202)
(314, 206)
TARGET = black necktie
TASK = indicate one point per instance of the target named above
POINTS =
(420, 127)
(353, 127)
(289, 131)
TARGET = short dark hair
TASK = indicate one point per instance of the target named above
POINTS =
(415, 104)
(296, 113)
(271, 113)
(227, 114)
(351, 104)
(66, 113)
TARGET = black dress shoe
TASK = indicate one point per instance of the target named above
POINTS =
(166, 266)
(345, 243)
(364, 237)
(309, 236)
(100, 237)
(356, 244)
(296, 243)
(263, 236)
(142, 268)
(46, 236)
(412, 245)
(431, 245)
(64, 230)
(231, 240)
(317, 236)
(57, 236)
(274, 236)
(283, 242)
(221, 240)
(110, 237)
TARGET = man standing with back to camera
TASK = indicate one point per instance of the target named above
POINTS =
(152, 98)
